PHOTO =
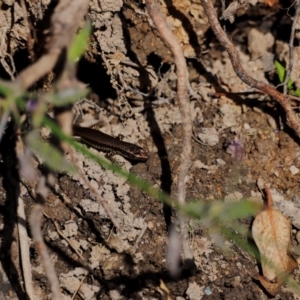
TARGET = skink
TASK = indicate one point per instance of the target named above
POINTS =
(107, 143)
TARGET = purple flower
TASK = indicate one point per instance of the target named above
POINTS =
(236, 149)
(31, 105)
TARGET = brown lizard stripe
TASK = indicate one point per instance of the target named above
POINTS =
(107, 143)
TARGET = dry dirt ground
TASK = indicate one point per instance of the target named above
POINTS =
(241, 143)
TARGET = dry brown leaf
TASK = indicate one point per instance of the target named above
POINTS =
(272, 288)
(271, 232)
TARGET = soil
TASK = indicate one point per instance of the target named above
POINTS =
(241, 143)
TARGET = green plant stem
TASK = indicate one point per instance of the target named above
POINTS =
(139, 183)
(195, 209)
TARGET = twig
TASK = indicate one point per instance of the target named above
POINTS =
(67, 239)
(79, 286)
(216, 95)
(294, 98)
(63, 194)
(11, 70)
(24, 250)
(184, 106)
(292, 119)
(35, 225)
(141, 235)
(64, 119)
(291, 48)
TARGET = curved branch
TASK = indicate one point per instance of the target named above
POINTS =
(65, 22)
(292, 119)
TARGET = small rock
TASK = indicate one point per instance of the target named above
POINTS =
(209, 136)
(288, 208)
(150, 225)
(294, 170)
(83, 244)
(53, 235)
(115, 295)
(294, 250)
(71, 229)
(94, 184)
(208, 291)
(194, 291)
(233, 197)
(298, 237)
(259, 43)
(247, 126)
(267, 60)
(220, 162)
(253, 2)
(200, 165)
(260, 183)
(230, 114)
(256, 195)
(272, 122)
(236, 281)
(228, 244)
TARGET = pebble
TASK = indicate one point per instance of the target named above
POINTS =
(294, 170)
(220, 162)
(233, 197)
(298, 237)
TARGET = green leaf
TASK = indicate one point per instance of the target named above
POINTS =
(281, 71)
(52, 157)
(68, 96)
(241, 209)
(79, 43)
(296, 93)
(290, 84)
(221, 210)
(5, 89)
